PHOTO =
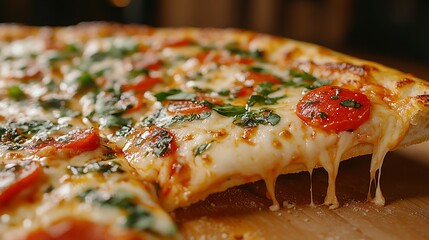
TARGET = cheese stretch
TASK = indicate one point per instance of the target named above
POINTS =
(119, 128)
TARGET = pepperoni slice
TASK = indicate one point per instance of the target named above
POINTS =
(81, 141)
(143, 85)
(334, 108)
(15, 179)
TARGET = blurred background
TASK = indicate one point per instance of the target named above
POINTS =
(393, 32)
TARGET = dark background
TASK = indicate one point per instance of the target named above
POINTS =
(394, 32)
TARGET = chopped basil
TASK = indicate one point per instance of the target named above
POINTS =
(124, 131)
(224, 92)
(163, 95)
(53, 103)
(116, 121)
(304, 79)
(161, 119)
(308, 103)
(137, 216)
(100, 167)
(200, 149)
(202, 90)
(137, 72)
(85, 80)
(263, 100)
(350, 103)
(189, 118)
(32, 127)
(113, 52)
(336, 96)
(322, 115)
(15, 92)
(73, 48)
(161, 143)
(227, 110)
(265, 88)
(257, 69)
(253, 118)
(234, 49)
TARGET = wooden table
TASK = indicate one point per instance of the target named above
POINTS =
(242, 212)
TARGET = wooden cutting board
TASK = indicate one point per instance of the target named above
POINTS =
(243, 212)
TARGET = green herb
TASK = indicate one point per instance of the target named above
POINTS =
(253, 118)
(73, 48)
(224, 92)
(163, 95)
(227, 110)
(337, 93)
(234, 49)
(85, 80)
(100, 167)
(54, 103)
(263, 100)
(116, 121)
(137, 72)
(188, 118)
(350, 103)
(32, 126)
(257, 69)
(265, 88)
(202, 148)
(139, 218)
(322, 115)
(162, 119)
(15, 92)
(308, 103)
(202, 90)
(113, 52)
(304, 79)
(161, 142)
(124, 131)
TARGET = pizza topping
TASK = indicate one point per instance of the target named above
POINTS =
(15, 92)
(304, 79)
(80, 141)
(98, 167)
(143, 85)
(156, 140)
(137, 218)
(253, 118)
(15, 179)
(334, 109)
(202, 148)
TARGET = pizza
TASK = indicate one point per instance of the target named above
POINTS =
(106, 128)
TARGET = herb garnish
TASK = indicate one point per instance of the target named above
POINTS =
(304, 79)
(137, 217)
(350, 103)
(253, 119)
(202, 148)
(100, 167)
(15, 92)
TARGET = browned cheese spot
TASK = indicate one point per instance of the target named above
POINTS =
(423, 99)
(403, 82)
(248, 134)
(285, 134)
(219, 134)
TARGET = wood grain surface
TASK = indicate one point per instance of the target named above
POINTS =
(243, 212)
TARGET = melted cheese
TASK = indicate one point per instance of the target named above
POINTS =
(232, 155)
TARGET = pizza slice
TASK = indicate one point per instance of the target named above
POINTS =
(104, 128)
